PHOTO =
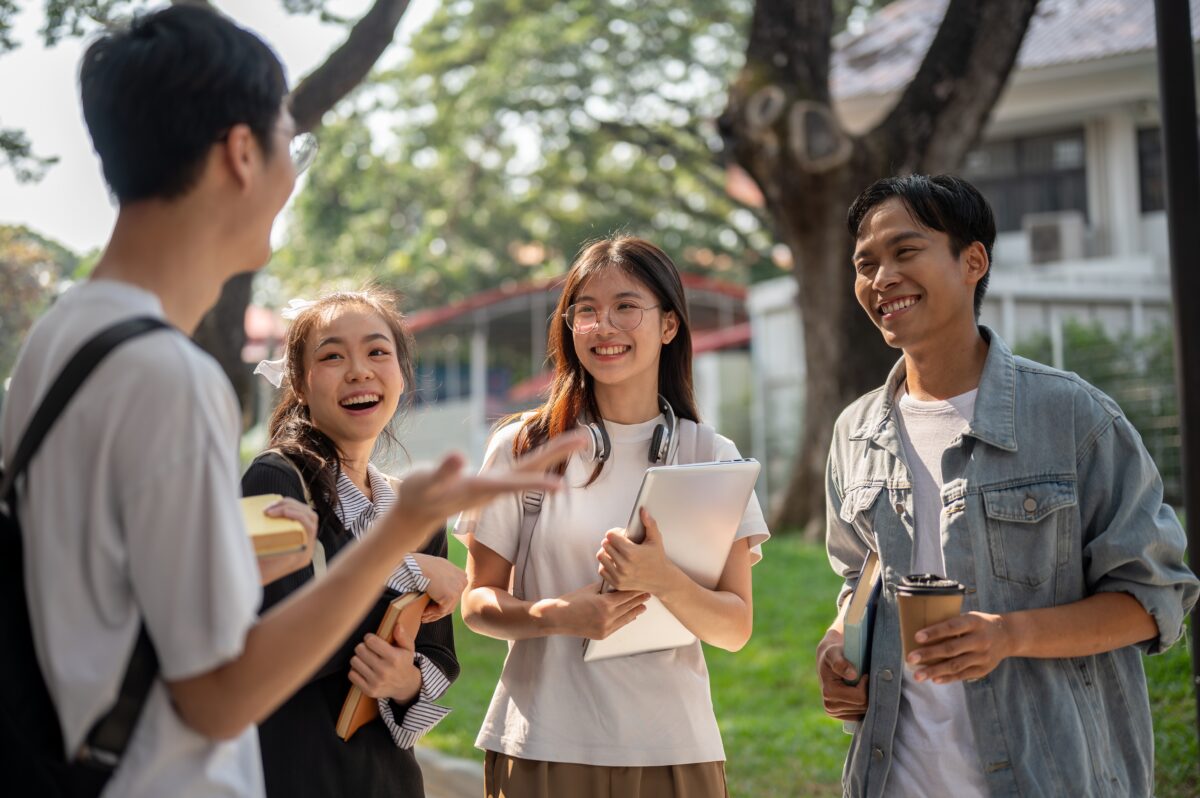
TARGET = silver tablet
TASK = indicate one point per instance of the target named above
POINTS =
(698, 509)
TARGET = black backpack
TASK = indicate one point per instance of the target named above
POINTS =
(31, 743)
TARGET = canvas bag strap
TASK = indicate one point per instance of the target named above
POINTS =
(318, 557)
(697, 443)
(531, 510)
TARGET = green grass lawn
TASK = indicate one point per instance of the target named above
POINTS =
(777, 738)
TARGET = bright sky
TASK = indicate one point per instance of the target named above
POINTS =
(38, 93)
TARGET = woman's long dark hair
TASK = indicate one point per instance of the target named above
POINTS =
(571, 392)
(291, 428)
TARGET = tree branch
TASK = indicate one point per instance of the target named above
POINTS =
(787, 60)
(348, 65)
(943, 110)
(790, 44)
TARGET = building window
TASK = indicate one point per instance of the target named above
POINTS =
(1030, 174)
(1151, 183)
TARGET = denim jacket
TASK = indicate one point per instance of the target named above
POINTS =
(1049, 496)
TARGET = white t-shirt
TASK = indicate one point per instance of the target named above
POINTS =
(934, 750)
(130, 512)
(645, 710)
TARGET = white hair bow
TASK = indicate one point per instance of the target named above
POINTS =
(295, 307)
(274, 371)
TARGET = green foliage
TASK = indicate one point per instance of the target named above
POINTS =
(67, 18)
(519, 130)
(75, 18)
(30, 267)
(8, 10)
(778, 740)
(317, 7)
(16, 149)
(1139, 373)
(63, 18)
(1173, 705)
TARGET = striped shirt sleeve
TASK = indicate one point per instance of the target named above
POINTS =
(407, 578)
(423, 714)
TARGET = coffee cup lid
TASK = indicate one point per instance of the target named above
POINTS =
(929, 585)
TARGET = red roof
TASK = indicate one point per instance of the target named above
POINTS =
(706, 341)
(427, 319)
(722, 338)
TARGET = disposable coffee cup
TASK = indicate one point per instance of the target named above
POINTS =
(925, 600)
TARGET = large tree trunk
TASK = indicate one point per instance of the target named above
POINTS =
(780, 128)
(844, 353)
(222, 332)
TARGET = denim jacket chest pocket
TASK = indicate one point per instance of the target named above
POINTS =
(1029, 528)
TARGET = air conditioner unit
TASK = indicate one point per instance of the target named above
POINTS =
(1054, 237)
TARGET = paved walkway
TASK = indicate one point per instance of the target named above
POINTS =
(450, 777)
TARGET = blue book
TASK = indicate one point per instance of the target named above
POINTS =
(858, 623)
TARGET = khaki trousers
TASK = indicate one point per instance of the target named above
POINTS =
(509, 777)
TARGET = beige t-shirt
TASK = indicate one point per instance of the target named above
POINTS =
(644, 710)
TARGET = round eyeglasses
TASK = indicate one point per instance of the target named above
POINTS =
(303, 151)
(624, 316)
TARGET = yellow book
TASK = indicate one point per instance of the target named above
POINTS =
(271, 536)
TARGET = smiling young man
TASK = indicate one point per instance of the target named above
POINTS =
(1026, 485)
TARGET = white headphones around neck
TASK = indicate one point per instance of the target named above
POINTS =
(660, 442)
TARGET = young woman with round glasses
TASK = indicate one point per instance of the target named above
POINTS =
(629, 726)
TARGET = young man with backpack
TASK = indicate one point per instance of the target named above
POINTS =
(129, 510)
(1026, 485)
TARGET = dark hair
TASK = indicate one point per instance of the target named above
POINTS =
(571, 392)
(159, 93)
(291, 428)
(944, 203)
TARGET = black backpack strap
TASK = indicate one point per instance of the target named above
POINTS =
(109, 736)
(106, 741)
(72, 376)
